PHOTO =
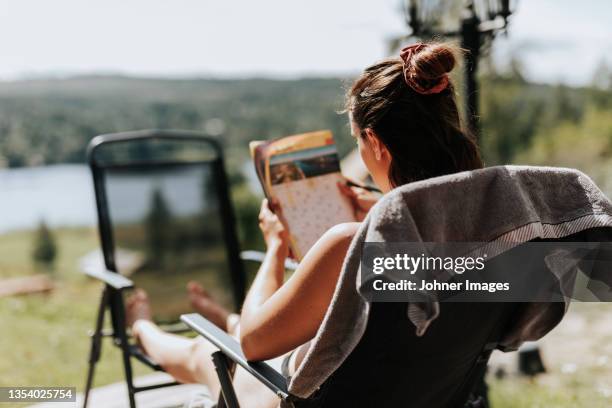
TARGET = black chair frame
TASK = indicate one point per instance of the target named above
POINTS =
(115, 284)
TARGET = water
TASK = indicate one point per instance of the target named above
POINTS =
(61, 195)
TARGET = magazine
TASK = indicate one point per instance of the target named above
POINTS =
(301, 173)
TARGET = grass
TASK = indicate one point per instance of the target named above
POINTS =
(44, 339)
(525, 393)
(578, 358)
(520, 392)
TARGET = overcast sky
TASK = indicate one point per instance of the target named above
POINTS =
(556, 39)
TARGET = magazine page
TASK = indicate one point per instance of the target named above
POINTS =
(302, 172)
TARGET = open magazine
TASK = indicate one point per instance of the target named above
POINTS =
(301, 172)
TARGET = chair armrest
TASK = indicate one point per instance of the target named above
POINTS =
(231, 348)
(112, 279)
(258, 256)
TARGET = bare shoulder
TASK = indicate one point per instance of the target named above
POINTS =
(333, 244)
(341, 233)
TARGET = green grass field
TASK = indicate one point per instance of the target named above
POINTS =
(44, 338)
(513, 393)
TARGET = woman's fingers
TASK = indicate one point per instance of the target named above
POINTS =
(261, 211)
(269, 207)
(271, 223)
(361, 199)
(267, 216)
(349, 193)
(264, 206)
(264, 211)
(275, 206)
(359, 196)
(346, 190)
(365, 198)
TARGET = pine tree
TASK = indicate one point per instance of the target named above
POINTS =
(45, 249)
(157, 226)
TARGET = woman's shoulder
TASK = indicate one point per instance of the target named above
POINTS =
(334, 241)
(342, 232)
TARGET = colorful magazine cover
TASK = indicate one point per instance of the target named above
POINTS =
(301, 172)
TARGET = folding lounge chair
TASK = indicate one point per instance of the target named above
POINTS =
(369, 355)
(165, 217)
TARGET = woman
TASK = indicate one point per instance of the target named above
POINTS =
(404, 117)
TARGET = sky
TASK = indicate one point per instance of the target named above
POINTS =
(556, 40)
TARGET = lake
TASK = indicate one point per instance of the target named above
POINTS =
(61, 195)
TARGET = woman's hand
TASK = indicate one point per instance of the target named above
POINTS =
(361, 199)
(273, 227)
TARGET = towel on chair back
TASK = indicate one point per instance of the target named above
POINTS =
(503, 204)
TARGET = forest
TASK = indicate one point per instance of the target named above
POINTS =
(47, 121)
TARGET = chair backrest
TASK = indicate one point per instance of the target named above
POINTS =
(165, 216)
(392, 367)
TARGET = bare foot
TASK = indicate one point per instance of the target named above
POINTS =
(137, 307)
(204, 304)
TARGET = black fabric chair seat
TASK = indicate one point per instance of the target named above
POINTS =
(410, 371)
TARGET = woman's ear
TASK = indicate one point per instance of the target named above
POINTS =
(378, 148)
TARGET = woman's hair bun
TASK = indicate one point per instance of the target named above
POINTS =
(433, 62)
(427, 65)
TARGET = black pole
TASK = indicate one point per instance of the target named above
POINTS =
(96, 345)
(470, 41)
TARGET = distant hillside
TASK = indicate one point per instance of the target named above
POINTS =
(51, 121)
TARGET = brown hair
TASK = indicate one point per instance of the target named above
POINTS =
(423, 132)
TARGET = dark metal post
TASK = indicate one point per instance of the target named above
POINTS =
(492, 18)
(96, 345)
(117, 310)
(228, 398)
(470, 40)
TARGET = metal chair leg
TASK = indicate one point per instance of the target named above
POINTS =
(96, 346)
(228, 397)
(127, 365)
(118, 316)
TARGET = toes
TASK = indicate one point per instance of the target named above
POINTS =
(195, 288)
(129, 302)
(141, 295)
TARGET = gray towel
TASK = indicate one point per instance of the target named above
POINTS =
(504, 204)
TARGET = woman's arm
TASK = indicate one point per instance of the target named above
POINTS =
(277, 317)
